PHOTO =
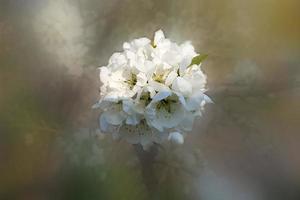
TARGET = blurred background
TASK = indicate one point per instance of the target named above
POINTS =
(245, 147)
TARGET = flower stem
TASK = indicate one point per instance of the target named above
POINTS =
(147, 159)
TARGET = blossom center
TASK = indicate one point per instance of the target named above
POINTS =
(159, 78)
(166, 104)
(132, 81)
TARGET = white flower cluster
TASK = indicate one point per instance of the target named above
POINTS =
(152, 91)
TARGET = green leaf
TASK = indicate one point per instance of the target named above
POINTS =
(198, 59)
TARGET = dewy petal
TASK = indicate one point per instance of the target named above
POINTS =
(158, 36)
(183, 86)
(176, 137)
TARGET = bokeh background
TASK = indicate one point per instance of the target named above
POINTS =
(245, 147)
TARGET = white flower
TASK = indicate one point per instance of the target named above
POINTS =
(164, 111)
(152, 91)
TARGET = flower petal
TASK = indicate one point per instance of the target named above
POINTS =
(158, 36)
(141, 79)
(161, 95)
(170, 78)
(158, 86)
(114, 117)
(194, 102)
(183, 86)
(176, 137)
(104, 74)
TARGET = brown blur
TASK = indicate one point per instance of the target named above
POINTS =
(245, 147)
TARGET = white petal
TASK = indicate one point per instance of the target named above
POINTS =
(140, 67)
(170, 78)
(104, 104)
(139, 108)
(156, 124)
(132, 120)
(207, 99)
(187, 50)
(176, 137)
(196, 77)
(141, 79)
(183, 65)
(149, 67)
(194, 102)
(104, 74)
(173, 58)
(96, 105)
(161, 95)
(126, 46)
(158, 36)
(170, 119)
(150, 111)
(118, 58)
(113, 117)
(151, 90)
(181, 99)
(141, 42)
(111, 97)
(158, 86)
(127, 106)
(146, 142)
(183, 86)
